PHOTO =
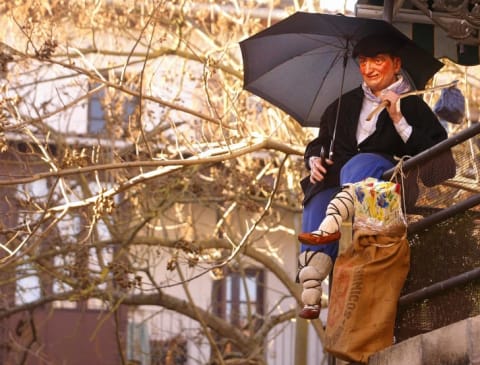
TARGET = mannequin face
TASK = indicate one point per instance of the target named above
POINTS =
(379, 71)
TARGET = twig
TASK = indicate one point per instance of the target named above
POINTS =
(385, 103)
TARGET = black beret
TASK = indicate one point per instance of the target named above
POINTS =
(373, 45)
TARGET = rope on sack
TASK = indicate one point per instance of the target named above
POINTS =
(398, 173)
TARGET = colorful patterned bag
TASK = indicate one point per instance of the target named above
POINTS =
(378, 206)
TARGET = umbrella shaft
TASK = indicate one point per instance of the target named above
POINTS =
(345, 60)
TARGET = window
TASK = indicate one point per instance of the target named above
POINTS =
(96, 119)
(239, 297)
(68, 230)
(138, 344)
(82, 259)
(109, 111)
(27, 285)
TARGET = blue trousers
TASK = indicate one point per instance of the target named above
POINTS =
(358, 168)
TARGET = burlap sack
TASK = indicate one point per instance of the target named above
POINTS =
(367, 280)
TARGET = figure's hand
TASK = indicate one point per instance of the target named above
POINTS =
(317, 169)
(393, 105)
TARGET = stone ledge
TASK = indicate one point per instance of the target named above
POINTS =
(456, 344)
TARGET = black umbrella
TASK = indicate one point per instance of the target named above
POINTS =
(303, 63)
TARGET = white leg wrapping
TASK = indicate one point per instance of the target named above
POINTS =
(339, 209)
(315, 266)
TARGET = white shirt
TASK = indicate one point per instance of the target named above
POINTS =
(366, 128)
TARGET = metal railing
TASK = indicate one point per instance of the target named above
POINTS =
(441, 289)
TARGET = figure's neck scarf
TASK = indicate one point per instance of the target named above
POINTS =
(399, 87)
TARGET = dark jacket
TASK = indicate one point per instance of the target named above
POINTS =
(426, 132)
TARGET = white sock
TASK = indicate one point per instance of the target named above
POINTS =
(339, 209)
(314, 267)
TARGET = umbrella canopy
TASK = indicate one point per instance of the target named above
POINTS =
(299, 63)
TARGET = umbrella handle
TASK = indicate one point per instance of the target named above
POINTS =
(386, 103)
(322, 156)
